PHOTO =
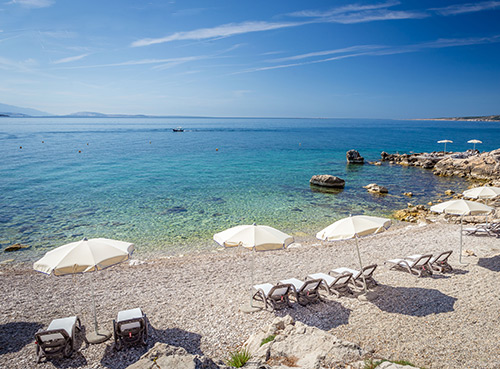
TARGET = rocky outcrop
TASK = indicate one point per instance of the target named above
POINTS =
(412, 214)
(166, 356)
(326, 180)
(353, 157)
(16, 247)
(424, 160)
(298, 345)
(375, 188)
(485, 166)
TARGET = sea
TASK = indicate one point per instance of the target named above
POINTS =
(134, 179)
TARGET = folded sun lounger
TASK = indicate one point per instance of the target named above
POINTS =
(491, 229)
(438, 263)
(415, 264)
(338, 285)
(357, 277)
(305, 292)
(58, 339)
(130, 327)
(275, 295)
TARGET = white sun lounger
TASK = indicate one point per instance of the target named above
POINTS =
(305, 292)
(414, 264)
(275, 295)
(130, 327)
(58, 339)
(338, 285)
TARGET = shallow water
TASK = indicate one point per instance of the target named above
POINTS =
(167, 192)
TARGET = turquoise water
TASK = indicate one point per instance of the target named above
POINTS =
(138, 181)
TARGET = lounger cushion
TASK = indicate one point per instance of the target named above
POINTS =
(355, 273)
(265, 287)
(127, 315)
(68, 324)
(327, 278)
(297, 283)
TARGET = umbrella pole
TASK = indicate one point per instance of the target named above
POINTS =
(95, 310)
(361, 265)
(97, 336)
(461, 236)
(250, 308)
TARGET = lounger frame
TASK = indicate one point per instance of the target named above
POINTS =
(419, 266)
(440, 262)
(132, 336)
(57, 347)
(276, 301)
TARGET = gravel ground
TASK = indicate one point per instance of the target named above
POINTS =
(192, 301)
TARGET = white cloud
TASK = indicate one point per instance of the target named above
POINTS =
(343, 9)
(70, 59)
(167, 61)
(467, 8)
(224, 30)
(349, 49)
(33, 3)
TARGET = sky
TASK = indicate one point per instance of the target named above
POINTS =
(280, 58)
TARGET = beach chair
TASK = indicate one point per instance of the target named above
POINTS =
(278, 296)
(491, 229)
(130, 327)
(305, 292)
(357, 277)
(438, 263)
(338, 285)
(58, 339)
(418, 265)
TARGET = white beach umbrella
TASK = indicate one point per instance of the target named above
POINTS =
(483, 192)
(85, 256)
(474, 142)
(256, 238)
(461, 207)
(354, 227)
(445, 142)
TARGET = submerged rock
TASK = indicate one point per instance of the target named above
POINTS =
(353, 157)
(16, 247)
(326, 180)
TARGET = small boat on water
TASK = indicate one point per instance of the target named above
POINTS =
(178, 129)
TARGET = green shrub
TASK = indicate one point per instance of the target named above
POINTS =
(268, 339)
(238, 358)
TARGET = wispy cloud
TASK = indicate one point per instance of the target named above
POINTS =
(349, 49)
(224, 30)
(467, 8)
(70, 59)
(170, 61)
(33, 3)
(374, 50)
(342, 10)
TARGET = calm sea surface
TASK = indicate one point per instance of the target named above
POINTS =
(167, 192)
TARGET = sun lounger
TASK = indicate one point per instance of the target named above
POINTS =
(58, 339)
(438, 263)
(491, 229)
(275, 295)
(418, 265)
(130, 327)
(305, 292)
(357, 277)
(338, 285)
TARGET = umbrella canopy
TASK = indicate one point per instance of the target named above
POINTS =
(474, 142)
(84, 256)
(483, 192)
(461, 207)
(354, 227)
(258, 237)
(445, 142)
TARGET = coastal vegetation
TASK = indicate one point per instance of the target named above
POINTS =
(238, 358)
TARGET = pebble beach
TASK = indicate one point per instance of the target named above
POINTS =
(192, 301)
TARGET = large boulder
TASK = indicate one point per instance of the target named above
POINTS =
(298, 345)
(166, 356)
(326, 180)
(353, 157)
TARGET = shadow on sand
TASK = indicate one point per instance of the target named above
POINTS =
(14, 336)
(130, 354)
(492, 263)
(324, 315)
(413, 301)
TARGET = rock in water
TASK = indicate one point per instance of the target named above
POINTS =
(353, 157)
(375, 188)
(326, 180)
(15, 247)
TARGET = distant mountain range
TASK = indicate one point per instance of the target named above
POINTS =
(16, 111)
(483, 118)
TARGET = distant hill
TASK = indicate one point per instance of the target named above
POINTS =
(17, 111)
(91, 114)
(484, 118)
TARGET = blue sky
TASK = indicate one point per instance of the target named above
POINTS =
(281, 58)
